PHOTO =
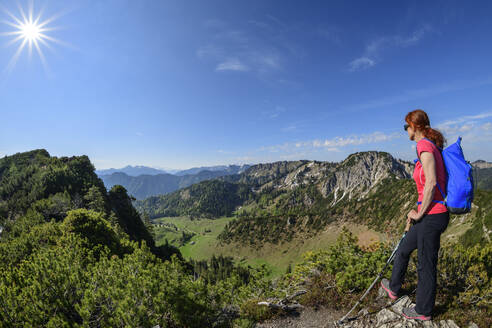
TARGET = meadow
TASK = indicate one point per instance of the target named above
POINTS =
(276, 257)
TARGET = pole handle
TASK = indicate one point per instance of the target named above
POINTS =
(409, 224)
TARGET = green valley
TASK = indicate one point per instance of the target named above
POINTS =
(276, 257)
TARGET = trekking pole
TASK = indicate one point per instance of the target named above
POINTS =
(378, 277)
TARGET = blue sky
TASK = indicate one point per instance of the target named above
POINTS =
(178, 84)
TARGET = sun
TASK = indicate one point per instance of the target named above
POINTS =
(29, 32)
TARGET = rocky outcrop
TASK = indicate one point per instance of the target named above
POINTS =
(353, 177)
(360, 172)
(391, 316)
(260, 174)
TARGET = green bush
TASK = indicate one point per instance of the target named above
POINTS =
(352, 267)
(465, 276)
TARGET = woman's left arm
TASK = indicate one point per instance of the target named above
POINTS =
(429, 167)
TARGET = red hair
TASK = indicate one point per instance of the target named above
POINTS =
(419, 120)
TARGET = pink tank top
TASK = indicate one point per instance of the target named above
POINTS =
(419, 177)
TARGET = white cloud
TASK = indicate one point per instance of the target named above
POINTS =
(487, 126)
(224, 151)
(476, 130)
(232, 65)
(361, 64)
(468, 118)
(416, 36)
(355, 140)
(466, 127)
(262, 52)
(333, 144)
(374, 50)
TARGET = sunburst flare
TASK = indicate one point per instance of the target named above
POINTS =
(29, 33)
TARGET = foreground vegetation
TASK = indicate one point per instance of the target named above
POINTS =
(74, 255)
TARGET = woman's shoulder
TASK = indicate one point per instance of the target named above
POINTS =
(425, 144)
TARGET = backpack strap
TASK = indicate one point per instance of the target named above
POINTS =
(437, 183)
(438, 201)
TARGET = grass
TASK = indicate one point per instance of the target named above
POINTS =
(204, 241)
(276, 257)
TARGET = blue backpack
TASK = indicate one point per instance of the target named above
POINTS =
(459, 179)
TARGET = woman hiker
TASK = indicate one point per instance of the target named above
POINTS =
(430, 220)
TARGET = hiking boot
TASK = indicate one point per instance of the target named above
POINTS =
(410, 313)
(385, 284)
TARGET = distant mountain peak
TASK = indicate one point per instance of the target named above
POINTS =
(481, 164)
(231, 168)
(132, 170)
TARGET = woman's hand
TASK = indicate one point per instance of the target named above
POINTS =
(414, 215)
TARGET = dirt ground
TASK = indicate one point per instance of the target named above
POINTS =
(308, 318)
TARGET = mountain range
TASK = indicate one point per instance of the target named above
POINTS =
(147, 185)
(146, 170)
(133, 170)
(281, 198)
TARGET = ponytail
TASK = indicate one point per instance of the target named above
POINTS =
(419, 120)
(435, 136)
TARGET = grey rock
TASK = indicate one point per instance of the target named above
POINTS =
(357, 174)
(392, 318)
(443, 324)
(430, 324)
(401, 303)
(451, 324)
(381, 292)
(385, 316)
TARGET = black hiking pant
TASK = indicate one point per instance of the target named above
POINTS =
(424, 236)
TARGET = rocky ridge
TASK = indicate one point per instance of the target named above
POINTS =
(353, 177)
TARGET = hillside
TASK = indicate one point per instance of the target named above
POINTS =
(483, 178)
(36, 188)
(74, 255)
(211, 198)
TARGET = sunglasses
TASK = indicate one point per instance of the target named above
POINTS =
(406, 126)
